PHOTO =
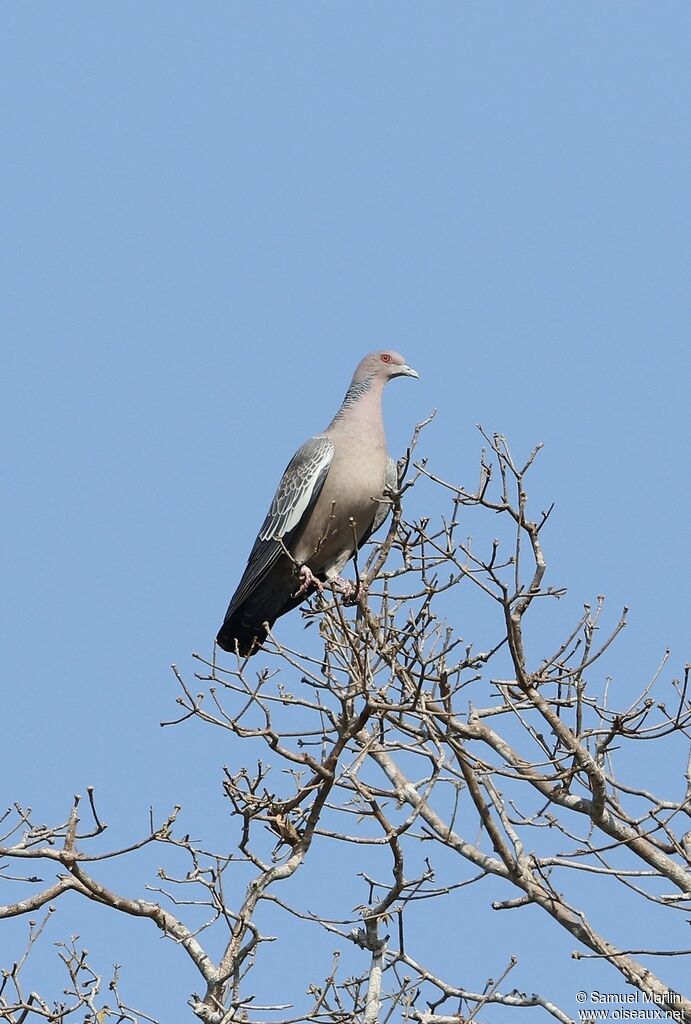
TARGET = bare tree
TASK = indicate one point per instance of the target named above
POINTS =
(396, 739)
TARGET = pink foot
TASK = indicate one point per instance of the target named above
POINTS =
(350, 591)
(307, 581)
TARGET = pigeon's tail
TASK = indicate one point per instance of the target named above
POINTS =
(241, 637)
(244, 629)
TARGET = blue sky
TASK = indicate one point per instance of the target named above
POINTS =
(209, 214)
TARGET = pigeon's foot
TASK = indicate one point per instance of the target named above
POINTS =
(351, 591)
(307, 581)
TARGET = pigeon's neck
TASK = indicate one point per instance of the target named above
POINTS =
(361, 407)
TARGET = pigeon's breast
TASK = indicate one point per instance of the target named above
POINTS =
(350, 495)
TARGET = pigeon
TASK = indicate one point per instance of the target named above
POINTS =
(329, 502)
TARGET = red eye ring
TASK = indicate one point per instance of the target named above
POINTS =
(385, 357)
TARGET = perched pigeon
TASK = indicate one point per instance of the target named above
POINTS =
(335, 480)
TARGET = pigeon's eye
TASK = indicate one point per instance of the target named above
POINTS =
(385, 357)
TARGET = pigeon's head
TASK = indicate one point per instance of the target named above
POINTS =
(382, 366)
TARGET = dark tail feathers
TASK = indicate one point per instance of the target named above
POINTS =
(246, 625)
(238, 636)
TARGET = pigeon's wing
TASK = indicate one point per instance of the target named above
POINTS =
(384, 507)
(292, 503)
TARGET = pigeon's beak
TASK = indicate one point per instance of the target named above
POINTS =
(407, 371)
